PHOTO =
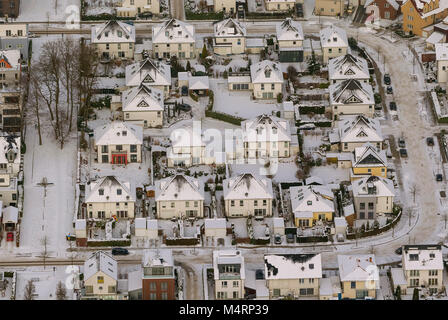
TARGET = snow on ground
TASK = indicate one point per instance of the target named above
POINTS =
(47, 10)
(331, 174)
(239, 103)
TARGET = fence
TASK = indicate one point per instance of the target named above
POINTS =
(374, 232)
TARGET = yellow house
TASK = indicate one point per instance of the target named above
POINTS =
(230, 37)
(267, 79)
(310, 204)
(144, 106)
(100, 277)
(359, 276)
(329, 7)
(119, 143)
(367, 161)
(179, 196)
(173, 38)
(334, 42)
(418, 14)
(224, 5)
(279, 5)
(293, 275)
(131, 8)
(114, 39)
(108, 197)
(248, 195)
(151, 73)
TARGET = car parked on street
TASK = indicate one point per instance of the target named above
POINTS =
(430, 141)
(403, 153)
(290, 238)
(392, 106)
(387, 80)
(399, 250)
(401, 143)
(184, 107)
(439, 177)
(10, 236)
(277, 239)
(389, 90)
(120, 251)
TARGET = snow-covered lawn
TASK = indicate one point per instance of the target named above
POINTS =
(239, 103)
(44, 10)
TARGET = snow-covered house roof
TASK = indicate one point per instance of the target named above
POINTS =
(113, 32)
(228, 257)
(333, 37)
(10, 59)
(159, 257)
(179, 187)
(367, 156)
(351, 92)
(305, 200)
(355, 129)
(118, 132)
(419, 5)
(314, 180)
(266, 71)
(143, 98)
(373, 186)
(100, 261)
(266, 128)
(292, 266)
(247, 186)
(289, 30)
(393, 3)
(357, 267)
(187, 137)
(9, 145)
(148, 72)
(110, 189)
(10, 214)
(348, 67)
(442, 51)
(229, 28)
(198, 83)
(422, 257)
(173, 31)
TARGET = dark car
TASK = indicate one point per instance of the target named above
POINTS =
(403, 153)
(392, 106)
(290, 238)
(430, 141)
(387, 79)
(399, 250)
(389, 90)
(401, 143)
(439, 177)
(120, 251)
(184, 107)
(277, 239)
(378, 107)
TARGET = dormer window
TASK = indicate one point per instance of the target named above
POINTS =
(119, 33)
(267, 73)
(167, 33)
(335, 39)
(118, 192)
(311, 266)
(309, 203)
(413, 257)
(124, 133)
(106, 34)
(101, 192)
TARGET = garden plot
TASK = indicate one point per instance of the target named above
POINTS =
(331, 173)
(313, 140)
(240, 225)
(239, 103)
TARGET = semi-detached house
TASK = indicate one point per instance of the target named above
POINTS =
(114, 39)
(173, 38)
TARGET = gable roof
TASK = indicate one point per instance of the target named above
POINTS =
(292, 266)
(306, 200)
(100, 261)
(351, 92)
(425, 257)
(329, 34)
(359, 129)
(380, 187)
(109, 186)
(9, 143)
(229, 28)
(289, 30)
(393, 3)
(179, 187)
(348, 67)
(148, 71)
(367, 156)
(118, 132)
(266, 71)
(142, 98)
(269, 128)
(247, 186)
(109, 32)
(358, 267)
(173, 31)
(11, 59)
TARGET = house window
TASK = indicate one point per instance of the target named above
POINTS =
(133, 158)
(352, 284)
(196, 204)
(119, 192)
(152, 296)
(104, 158)
(255, 203)
(414, 282)
(163, 286)
(272, 86)
(164, 296)
(101, 192)
(262, 86)
(236, 284)
(232, 203)
(276, 292)
(133, 148)
(433, 272)
(104, 149)
(264, 202)
(235, 294)
(100, 279)
(172, 204)
(414, 273)
(224, 284)
(241, 203)
(119, 147)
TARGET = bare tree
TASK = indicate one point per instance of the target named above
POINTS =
(44, 241)
(61, 292)
(34, 103)
(29, 290)
(414, 190)
(445, 217)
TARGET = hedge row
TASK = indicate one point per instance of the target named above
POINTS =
(313, 109)
(104, 16)
(109, 243)
(182, 242)
(264, 15)
(312, 239)
(260, 241)
(204, 15)
(223, 117)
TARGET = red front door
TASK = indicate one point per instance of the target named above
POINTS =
(119, 159)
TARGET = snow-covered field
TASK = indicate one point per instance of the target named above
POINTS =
(47, 10)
